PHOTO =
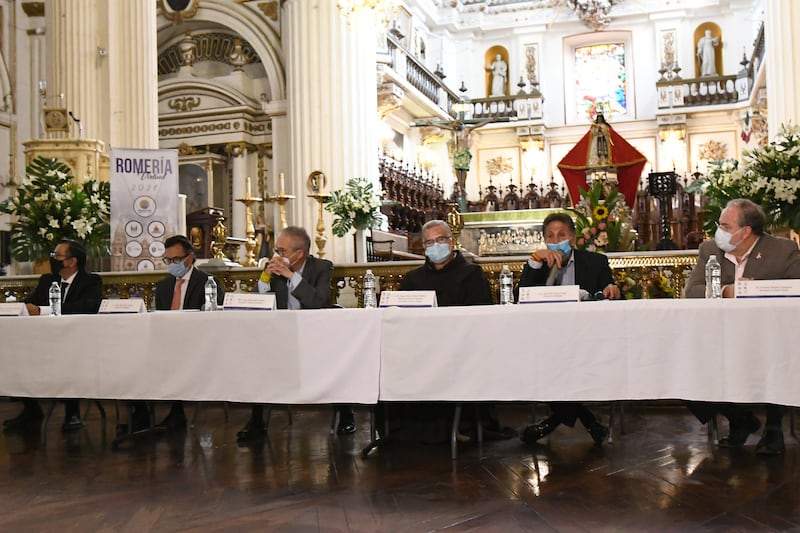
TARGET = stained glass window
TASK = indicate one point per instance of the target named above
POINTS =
(601, 80)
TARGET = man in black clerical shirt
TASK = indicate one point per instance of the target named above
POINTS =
(81, 293)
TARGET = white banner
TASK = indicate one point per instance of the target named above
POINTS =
(144, 207)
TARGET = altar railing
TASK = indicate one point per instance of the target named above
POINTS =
(347, 291)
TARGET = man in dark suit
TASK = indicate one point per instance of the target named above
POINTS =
(744, 251)
(561, 264)
(299, 281)
(184, 288)
(81, 293)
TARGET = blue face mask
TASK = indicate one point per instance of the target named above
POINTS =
(437, 252)
(178, 269)
(563, 247)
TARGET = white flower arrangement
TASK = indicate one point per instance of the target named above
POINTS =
(49, 206)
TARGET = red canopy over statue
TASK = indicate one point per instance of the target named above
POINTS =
(600, 149)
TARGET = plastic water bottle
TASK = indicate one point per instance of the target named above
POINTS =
(713, 274)
(506, 286)
(55, 299)
(370, 301)
(211, 295)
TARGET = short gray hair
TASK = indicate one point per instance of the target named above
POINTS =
(750, 214)
(298, 236)
(436, 224)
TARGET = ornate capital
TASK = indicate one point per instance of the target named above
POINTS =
(237, 149)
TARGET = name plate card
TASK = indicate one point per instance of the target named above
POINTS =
(122, 306)
(13, 309)
(249, 301)
(408, 299)
(549, 294)
(767, 288)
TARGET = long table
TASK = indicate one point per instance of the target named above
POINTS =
(716, 350)
(724, 350)
(320, 356)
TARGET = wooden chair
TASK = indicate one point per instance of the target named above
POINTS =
(373, 256)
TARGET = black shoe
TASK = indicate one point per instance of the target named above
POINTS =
(346, 425)
(252, 431)
(598, 432)
(535, 432)
(740, 429)
(771, 442)
(173, 422)
(71, 423)
(25, 419)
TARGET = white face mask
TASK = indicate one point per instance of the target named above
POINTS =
(723, 239)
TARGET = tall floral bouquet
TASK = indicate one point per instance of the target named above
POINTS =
(355, 206)
(601, 223)
(49, 206)
(769, 176)
(629, 287)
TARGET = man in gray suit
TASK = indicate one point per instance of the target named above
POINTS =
(744, 251)
(299, 281)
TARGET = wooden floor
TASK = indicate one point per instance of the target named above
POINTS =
(662, 475)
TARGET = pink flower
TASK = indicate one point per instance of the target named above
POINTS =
(601, 226)
(594, 230)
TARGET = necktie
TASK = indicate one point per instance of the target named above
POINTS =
(64, 286)
(176, 295)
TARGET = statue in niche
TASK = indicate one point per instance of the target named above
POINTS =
(707, 54)
(499, 70)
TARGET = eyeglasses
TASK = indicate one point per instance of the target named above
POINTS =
(283, 253)
(174, 260)
(442, 239)
(54, 255)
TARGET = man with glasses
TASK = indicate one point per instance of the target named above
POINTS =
(299, 281)
(445, 271)
(184, 288)
(81, 293)
(456, 282)
(744, 251)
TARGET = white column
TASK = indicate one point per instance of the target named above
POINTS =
(72, 40)
(36, 74)
(782, 18)
(238, 155)
(132, 72)
(332, 111)
(102, 56)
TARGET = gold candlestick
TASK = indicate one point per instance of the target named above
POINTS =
(316, 185)
(281, 200)
(250, 230)
(320, 238)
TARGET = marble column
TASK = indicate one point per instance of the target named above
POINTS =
(73, 34)
(238, 154)
(332, 105)
(781, 21)
(110, 84)
(36, 73)
(132, 74)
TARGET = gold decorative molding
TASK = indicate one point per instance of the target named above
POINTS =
(182, 104)
(237, 149)
(33, 9)
(177, 17)
(185, 149)
(270, 10)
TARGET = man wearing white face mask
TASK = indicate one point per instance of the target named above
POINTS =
(299, 281)
(561, 264)
(744, 251)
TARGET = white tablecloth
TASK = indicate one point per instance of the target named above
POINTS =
(322, 356)
(726, 350)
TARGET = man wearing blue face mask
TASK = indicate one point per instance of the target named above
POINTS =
(445, 271)
(744, 251)
(561, 264)
(183, 289)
